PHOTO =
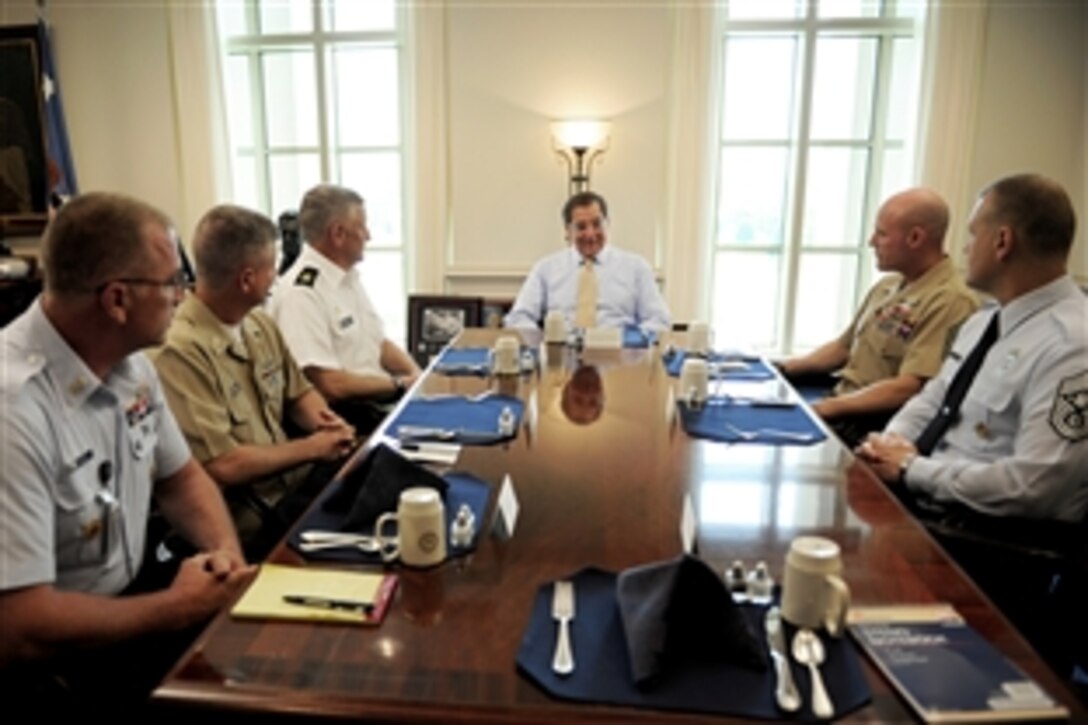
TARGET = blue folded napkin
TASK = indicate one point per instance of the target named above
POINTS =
(635, 336)
(602, 671)
(755, 369)
(722, 420)
(463, 488)
(457, 420)
(477, 361)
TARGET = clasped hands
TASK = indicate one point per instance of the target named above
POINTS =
(885, 454)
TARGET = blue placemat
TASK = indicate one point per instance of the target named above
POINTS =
(755, 368)
(477, 361)
(722, 420)
(464, 488)
(602, 671)
(457, 420)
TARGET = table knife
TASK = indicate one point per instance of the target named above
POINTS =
(785, 691)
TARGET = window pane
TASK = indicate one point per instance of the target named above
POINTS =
(915, 9)
(759, 105)
(361, 14)
(895, 176)
(764, 9)
(744, 301)
(290, 98)
(289, 176)
(842, 96)
(286, 16)
(237, 91)
(383, 277)
(365, 82)
(825, 297)
(835, 197)
(232, 18)
(376, 176)
(244, 171)
(849, 8)
(901, 108)
(752, 205)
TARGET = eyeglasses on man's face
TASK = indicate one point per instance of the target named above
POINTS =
(179, 281)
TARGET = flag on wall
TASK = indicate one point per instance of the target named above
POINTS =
(62, 172)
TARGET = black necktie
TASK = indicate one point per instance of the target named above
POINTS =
(949, 411)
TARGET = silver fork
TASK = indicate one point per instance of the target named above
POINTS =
(563, 613)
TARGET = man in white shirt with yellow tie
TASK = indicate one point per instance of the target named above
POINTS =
(592, 283)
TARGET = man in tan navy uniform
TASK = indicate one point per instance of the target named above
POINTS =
(230, 382)
(327, 318)
(901, 332)
(87, 440)
(1018, 444)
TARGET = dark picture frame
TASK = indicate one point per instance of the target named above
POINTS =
(24, 160)
(435, 320)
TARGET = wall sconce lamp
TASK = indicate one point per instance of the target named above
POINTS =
(579, 142)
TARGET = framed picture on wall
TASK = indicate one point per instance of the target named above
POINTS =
(434, 320)
(24, 168)
(493, 311)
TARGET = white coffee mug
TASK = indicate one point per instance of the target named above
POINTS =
(699, 338)
(555, 327)
(504, 356)
(421, 528)
(694, 380)
(814, 594)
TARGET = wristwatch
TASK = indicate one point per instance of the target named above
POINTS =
(904, 465)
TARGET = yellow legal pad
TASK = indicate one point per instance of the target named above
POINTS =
(265, 597)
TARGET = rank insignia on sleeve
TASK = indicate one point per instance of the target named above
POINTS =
(1069, 414)
(306, 277)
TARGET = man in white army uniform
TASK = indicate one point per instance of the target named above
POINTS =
(87, 440)
(1018, 443)
(327, 318)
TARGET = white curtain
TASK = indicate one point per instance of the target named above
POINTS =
(203, 152)
(951, 79)
(427, 212)
(690, 158)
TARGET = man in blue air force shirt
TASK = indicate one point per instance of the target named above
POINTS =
(624, 291)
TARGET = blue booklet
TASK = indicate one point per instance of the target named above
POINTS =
(945, 669)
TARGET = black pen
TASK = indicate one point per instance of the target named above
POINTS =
(348, 605)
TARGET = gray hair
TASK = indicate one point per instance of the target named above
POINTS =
(322, 205)
(226, 239)
(94, 238)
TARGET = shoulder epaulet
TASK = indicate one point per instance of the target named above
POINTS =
(306, 277)
(20, 365)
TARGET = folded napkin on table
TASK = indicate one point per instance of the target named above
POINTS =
(457, 419)
(635, 336)
(477, 361)
(679, 611)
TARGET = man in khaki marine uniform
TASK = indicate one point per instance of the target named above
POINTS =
(901, 332)
(230, 380)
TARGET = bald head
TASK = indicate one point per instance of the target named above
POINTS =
(923, 209)
(909, 233)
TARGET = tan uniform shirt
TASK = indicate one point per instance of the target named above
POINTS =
(225, 394)
(905, 330)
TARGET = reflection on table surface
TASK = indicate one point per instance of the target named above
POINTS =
(601, 482)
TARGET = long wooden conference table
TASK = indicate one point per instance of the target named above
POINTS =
(606, 492)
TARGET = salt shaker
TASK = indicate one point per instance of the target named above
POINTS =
(463, 527)
(507, 422)
(736, 581)
(760, 585)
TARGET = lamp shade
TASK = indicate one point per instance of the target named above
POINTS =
(580, 134)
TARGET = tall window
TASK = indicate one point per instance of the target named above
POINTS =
(313, 94)
(816, 127)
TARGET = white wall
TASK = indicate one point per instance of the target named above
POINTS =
(1033, 102)
(513, 68)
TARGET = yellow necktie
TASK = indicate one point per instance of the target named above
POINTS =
(586, 313)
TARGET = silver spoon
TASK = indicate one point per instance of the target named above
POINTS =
(808, 649)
